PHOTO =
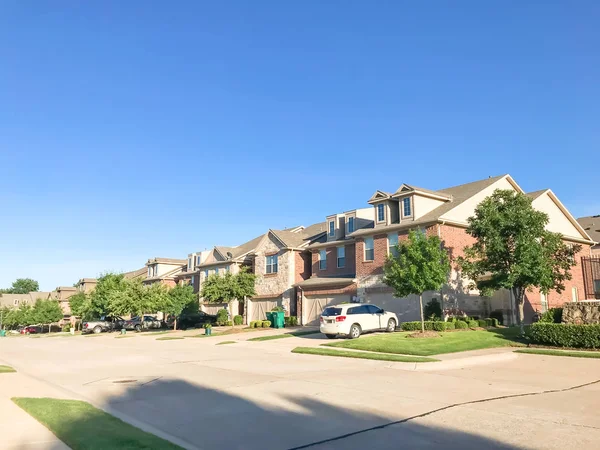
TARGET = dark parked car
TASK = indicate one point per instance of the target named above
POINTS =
(31, 329)
(103, 324)
(194, 320)
(148, 323)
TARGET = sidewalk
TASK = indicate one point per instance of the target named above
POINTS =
(18, 429)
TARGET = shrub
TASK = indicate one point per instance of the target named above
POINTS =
(238, 320)
(498, 315)
(565, 335)
(433, 309)
(277, 309)
(291, 321)
(473, 323)
(229, 323)
(430, 325)
(450, 326)
(252, 324)
(222, 317)
(266, 323)
(553, 315)
(67, 328)
(483, 323)
(461, 325)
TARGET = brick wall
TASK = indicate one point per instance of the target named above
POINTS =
(302, 266)
(332, 270)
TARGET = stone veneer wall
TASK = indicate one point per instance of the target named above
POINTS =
(581, 313)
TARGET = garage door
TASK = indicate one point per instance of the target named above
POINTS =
(213, 308)
(407, 309)
(313, 306)
(259, 308)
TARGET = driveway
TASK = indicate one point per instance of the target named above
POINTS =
(258, 395)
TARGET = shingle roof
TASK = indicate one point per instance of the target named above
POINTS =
(296, 239)
(591, 225)
(536, 194)
(325, 281)
(157, 260)
(143, 272)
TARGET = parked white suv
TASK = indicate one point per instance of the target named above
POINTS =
(354, 319)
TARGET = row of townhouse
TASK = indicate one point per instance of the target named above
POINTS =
(304, 269)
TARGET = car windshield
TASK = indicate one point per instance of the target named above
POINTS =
(332, 311)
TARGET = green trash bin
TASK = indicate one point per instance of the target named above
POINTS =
(2, 333)
(270, 318)
(278, 319)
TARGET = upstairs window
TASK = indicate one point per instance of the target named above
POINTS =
(341, 257)
(150, 272)
(331, 228)
(406, 207)
(350, 224)
(322, 260)
(369, 249)
(392, 242)
(193, 279)
(190, 263)
(206, 273)
(197, 260)
(271, 264)
(380, 212)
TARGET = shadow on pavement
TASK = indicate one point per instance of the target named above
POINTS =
(211, 419)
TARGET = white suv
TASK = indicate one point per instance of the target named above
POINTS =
(354, 319)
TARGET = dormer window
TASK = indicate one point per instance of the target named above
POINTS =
(197, 260)
(406, 207)
(350, 224)
(380, 212)
(331, 228)
(190, 263)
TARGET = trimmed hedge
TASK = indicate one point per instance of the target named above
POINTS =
(498, 315)
(563, 335)
(461, 325)
(482, 323)
(238, 320)
(266, 323)
(429, 326)
(473, 323)
(290, 321)
(450, 326)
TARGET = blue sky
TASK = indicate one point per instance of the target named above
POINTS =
(137, 129)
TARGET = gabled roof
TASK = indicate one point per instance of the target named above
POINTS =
(143, 272)
(303, 237)
(157, 260)
(536, 194)
(591, 225)
(379, 195)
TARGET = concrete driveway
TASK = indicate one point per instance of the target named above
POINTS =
(258, 395)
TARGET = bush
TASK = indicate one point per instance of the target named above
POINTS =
(473, 323)
(266, 323)
(450, 326)
(483, 323)
(252, 324)
(291, 321)
(433, 309)
(222, 317)
(553, 315)
(430, 325)
(461, 325)
(67, 328)
(238, 320)
(229, 323)
(498, 315)
(563, 335)
(277, 309)
(492, 322)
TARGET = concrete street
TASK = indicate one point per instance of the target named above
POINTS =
(258, 395)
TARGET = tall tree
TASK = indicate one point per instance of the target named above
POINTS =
(180, 298)
(421, 264)
(514, 250)
(47, 312)
(22, 286)
(109, 285)
(81, 305)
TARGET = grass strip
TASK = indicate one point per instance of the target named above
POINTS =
(225, 343)
(169, 338)
(6, 369)
(360, 355)
(83, 427)
(283, 336)
(548, 352)
(124, 336)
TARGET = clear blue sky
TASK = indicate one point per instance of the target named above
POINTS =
(133, 129)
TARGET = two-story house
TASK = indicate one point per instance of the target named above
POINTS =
(281, 260)
(444, 213)
(86, 285)
(190, 275)
(164, 270)
(332, 277)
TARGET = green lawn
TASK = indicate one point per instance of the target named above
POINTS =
(449, 342)
(225, 343)
(83, 427)
(548, 352)
(6, 369)
(360, 355)
(169, 338)
(283, 336)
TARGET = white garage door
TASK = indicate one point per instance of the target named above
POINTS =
(213, 308)
(313, 306)
(407, 309)
(259, 308)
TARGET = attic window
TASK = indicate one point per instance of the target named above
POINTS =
(350, 224)
(380, 212)
(331, 228)
(406, 207)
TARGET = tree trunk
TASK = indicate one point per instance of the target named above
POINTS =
(421, 310)
(519, 294)
(175, 324)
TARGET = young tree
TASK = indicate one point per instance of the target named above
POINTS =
(421, 264)
(22, 286)
(109, 286)
(80, 305)
(514, 250)
(180, 298)
(47, 312)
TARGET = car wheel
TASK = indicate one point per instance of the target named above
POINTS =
(331, 336)
(354, 331)
(391, 326)
(97, 329)
(138, 328)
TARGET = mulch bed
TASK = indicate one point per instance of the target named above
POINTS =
(427, 334)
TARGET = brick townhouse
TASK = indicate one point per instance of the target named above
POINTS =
(443, 213)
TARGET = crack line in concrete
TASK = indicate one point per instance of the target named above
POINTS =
(428, 413)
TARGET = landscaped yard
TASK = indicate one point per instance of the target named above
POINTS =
(81, 426)
(449, 342)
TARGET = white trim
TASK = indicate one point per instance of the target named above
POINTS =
(323, 260)
(377, 212)
(337, 254)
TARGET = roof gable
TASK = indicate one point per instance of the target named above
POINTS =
(379, 195)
